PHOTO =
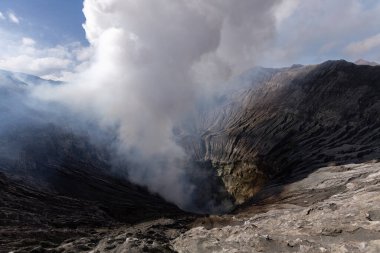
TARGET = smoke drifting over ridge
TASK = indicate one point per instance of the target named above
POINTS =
(152, 62)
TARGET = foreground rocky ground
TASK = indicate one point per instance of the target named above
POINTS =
(335, 209)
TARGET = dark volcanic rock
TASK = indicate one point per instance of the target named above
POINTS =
(52, 195)
(291, 121)
(56, 184)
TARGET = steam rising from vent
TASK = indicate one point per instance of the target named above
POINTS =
(153, 62)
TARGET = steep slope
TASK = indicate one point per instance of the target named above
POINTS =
(289, 123)
(60, 187)
(305, 143)
(56, 180)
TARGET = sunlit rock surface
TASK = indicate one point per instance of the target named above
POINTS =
(334, 209)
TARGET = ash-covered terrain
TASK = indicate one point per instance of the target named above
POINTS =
(291, 153)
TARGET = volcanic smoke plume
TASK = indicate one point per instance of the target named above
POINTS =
(153, 61)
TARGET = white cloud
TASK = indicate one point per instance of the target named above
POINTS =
(310, 32)
(83, 54)
(364, 46)
(28, 41)
(13, 18)
(32, 64)
(2, 17)
(285, 9)
(25, 55)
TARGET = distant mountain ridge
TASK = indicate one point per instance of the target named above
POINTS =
(11, 78)
(364, 62)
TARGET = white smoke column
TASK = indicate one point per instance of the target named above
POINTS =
(152, 59)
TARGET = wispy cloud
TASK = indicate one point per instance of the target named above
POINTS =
(2, 17)
(285, 10)
(315, 31)
(363, 46)
(28, 41)
(13, 18)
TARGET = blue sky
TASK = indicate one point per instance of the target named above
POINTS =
(43, 37)
(48, 21)
(46, 37)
